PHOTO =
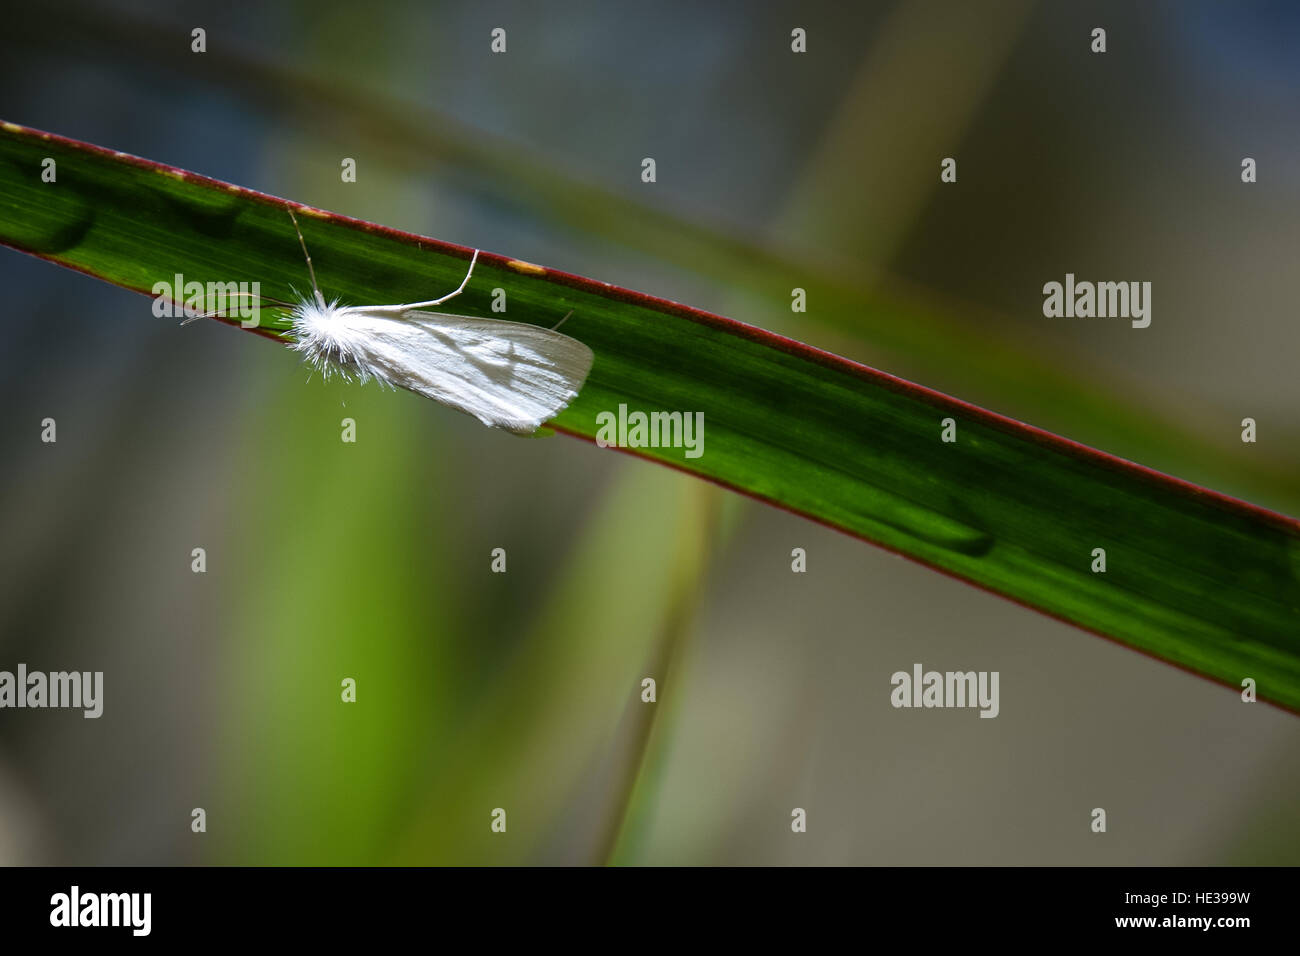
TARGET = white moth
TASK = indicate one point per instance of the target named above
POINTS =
(508, 375)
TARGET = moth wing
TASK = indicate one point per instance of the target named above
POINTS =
(508, 375)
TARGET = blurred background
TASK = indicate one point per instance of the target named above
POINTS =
(522, 691)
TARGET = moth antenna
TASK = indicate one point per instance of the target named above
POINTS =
(306, 255)
(450, 295)
(562, 321)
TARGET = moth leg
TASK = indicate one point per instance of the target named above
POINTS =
(234, 295)
(450, 295)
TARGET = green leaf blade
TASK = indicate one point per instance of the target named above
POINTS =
(1194, 578)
